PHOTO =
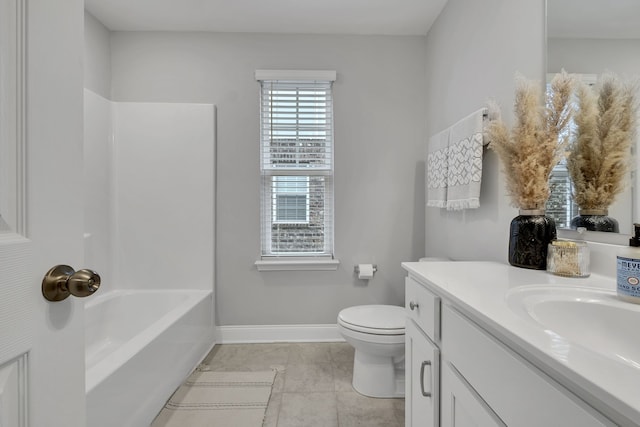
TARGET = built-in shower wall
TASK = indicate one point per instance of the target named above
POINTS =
(97, 155)
(164, 195)
(149, 193)
(98, 161)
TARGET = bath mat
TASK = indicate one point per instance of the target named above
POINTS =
(218, 399)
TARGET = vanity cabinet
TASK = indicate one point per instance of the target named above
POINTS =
(422, 356)
(461, 404)
(422, 373)
(475, 379)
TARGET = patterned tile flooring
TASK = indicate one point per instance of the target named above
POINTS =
(312, 387)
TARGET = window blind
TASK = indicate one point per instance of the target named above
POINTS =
(296, 126)
(296, 164)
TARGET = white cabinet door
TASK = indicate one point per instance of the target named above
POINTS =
(422, 379)
(461, 406)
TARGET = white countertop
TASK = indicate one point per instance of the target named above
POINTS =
(480, 290)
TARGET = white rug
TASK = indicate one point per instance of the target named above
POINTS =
(218, 399)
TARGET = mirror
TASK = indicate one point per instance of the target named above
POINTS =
(590, 37)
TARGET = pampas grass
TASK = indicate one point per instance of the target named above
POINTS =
(601, 151)
(534, 146)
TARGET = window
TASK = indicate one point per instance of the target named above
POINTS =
(560, 205)
(296, 163)
(290, 199)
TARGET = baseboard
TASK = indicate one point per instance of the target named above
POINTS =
(277, 333)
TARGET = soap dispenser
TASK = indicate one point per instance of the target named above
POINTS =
(628, 270)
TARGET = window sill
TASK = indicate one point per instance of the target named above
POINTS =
(298, 265)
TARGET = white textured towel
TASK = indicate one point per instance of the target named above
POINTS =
(436, 169)
(464, 162)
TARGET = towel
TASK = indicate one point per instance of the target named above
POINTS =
(211, 398)
(436, 169)
(464, 162)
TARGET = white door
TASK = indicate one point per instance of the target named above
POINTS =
(41, 342)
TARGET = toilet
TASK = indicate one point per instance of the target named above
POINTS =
(377, 334)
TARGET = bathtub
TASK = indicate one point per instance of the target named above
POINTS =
(140, 346)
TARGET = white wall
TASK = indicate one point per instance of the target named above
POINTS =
(594, 56)
(473, 52)
(97, 57)
(148, 194)
(379, 128)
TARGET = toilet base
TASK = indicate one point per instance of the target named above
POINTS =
(378, 376)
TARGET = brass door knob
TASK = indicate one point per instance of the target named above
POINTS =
(62, 281)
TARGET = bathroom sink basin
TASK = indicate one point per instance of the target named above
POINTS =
(593, 319)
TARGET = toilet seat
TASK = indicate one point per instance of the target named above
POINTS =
(374, 319)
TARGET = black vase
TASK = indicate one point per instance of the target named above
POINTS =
(595, 220)
(530, 233)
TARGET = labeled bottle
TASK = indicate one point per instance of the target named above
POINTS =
(628, 271)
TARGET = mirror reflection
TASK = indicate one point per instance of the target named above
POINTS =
(591, 37)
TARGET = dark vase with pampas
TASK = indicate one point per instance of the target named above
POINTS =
(528, 153)
(529, 236)
(601, 149)
(595, 220)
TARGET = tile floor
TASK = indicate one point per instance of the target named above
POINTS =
(312, 387)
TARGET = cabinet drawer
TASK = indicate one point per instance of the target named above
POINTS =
(519, 393)
(423, 307)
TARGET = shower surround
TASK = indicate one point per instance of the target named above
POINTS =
(149, 230)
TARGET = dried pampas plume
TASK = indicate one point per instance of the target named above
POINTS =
(534, 146)
(601, 151)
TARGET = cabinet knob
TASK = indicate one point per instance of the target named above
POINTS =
(413, 305)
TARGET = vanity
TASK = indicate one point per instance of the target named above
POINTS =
(488, 344)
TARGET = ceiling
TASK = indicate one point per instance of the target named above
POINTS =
(610, 19)
(384, 17)
(565, 18)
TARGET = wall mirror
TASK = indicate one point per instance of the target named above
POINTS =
(590, 37)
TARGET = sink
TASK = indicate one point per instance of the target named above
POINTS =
(591, 318)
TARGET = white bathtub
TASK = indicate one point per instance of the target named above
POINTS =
(140, 345)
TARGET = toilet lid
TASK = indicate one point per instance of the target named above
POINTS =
(374, 319)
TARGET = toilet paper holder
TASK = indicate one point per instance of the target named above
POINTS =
(356, 268)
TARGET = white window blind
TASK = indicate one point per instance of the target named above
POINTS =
(296, 164)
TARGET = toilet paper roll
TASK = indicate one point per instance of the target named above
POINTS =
(365, 271)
